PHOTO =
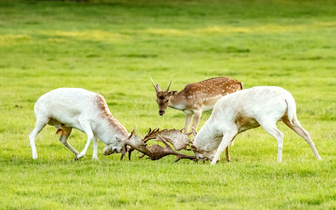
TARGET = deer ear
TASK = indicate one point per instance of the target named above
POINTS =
(158, 88)
(118, 139)
(171, 93)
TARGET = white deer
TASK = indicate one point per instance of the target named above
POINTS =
(195, 98)
(68, 108)
(247, 109)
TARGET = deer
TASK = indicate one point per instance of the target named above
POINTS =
(68, 108)
(247, 109)
(195, 98)
(175, 137)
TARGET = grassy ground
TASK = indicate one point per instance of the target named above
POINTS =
(112, 47)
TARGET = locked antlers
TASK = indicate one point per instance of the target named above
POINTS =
(175, 137)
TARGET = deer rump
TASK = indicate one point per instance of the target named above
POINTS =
(176, 138)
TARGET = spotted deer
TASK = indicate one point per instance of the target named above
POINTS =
(195, 98)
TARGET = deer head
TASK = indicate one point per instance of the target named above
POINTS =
(203, 154)
(163, 96)
(109, 149)
(114, 147)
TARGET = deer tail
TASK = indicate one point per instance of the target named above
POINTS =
(291, 109)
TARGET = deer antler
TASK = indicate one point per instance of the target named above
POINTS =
(159, 151)
(194, 132)
(151, 134)
(157, 86)
(171, 79)
(156, 152)
(177, 138)
(134, 142)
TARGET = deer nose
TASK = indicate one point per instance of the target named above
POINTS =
(161, 113)
(106, 153)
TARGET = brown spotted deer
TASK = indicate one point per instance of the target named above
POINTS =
(68, 108)
(195, 98)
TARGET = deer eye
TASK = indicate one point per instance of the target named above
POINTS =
(167, 101)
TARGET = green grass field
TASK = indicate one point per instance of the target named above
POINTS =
(113, 47)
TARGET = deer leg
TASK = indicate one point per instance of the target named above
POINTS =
(187, 122)
(271, 128)
(227, 155)
(40, 124)
(95, 148)
(303, 133)
(227, 137)
(130, 154)
(64, 139)
(228, 158)
(197, 117)
(87, 129)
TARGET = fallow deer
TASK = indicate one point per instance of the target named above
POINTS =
(68, 108)
(247, 109)
(195, 98)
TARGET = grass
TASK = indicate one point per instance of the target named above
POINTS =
(112, 47)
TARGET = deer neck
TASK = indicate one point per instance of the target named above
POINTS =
(177, 101)
(207, 138)
(110, 129)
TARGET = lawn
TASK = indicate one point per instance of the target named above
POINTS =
(113, 47)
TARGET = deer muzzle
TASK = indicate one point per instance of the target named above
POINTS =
(110, 151)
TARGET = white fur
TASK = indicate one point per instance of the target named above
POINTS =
(247, 109)
(68, 108)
